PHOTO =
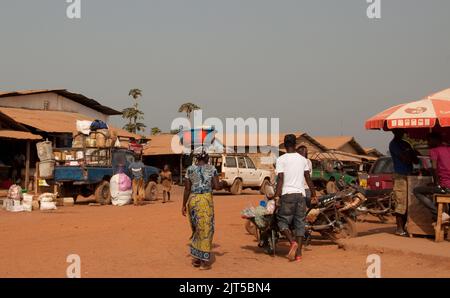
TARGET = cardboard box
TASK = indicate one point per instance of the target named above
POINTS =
(68, 202)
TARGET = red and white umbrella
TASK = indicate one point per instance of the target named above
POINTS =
(430, 112)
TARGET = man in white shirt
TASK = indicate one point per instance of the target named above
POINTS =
(292, 171)
(303, 151)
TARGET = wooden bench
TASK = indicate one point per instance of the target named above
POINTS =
(441, 199)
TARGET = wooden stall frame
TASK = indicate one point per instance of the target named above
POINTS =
(441, 199)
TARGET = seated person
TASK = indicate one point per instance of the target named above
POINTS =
(440, 158)
(331, 186)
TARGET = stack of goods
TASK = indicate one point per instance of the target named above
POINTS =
(13, 202)
(79, 139)
(259, 213)
(120, 188)
(93, 134)
(69, 157)
(27, 202)
(101, 138)
(47, 159)
(68, 201)
(47, 201)
(98, 134)
(93, 139)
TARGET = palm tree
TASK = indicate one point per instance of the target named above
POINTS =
(135, 93)
(133, 114)
(188, 108)
(156, 130)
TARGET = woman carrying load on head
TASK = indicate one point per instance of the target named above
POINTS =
(200, 181)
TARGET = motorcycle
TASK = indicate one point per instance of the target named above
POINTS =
(379, 203)
(334, 217)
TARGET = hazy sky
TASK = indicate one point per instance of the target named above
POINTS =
(320, 66)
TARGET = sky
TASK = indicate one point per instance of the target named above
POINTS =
(320, 66)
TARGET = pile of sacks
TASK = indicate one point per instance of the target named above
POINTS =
(47, 201)
(17, 201)
(13, 202)
(120, 188)
(47, 159)
(93, 134)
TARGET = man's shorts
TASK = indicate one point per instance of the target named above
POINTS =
(400, 194)
(291, 213)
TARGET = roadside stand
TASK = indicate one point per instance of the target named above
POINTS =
(96, 156)
(418, 118)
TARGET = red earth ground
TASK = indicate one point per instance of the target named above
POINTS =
(152, 241)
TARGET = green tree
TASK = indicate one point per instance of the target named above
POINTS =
(188, 108)
(133, 114)
(156, 131)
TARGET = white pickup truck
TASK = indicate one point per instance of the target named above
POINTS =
(239, 172)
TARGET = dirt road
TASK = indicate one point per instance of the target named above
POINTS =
(152, 241)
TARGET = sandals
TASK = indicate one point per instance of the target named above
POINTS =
(292, 251)
(205, 265)
(201, 264)
(401, 234)
(196, 263)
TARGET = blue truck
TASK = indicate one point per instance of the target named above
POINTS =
(89, 170)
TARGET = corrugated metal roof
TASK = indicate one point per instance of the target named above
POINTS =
(253, 140)
(54, 121)
(373, 152)
(7, 122)
(299, 135)
(18, 135)
(162, 145)
(80, 98)
(334, 142)
(345, 156)
(337, 142)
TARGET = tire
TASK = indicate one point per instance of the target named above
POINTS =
(102, 194)
(151, 191)
(236, 187)
(262, 189)
(348, 229)
(273, 242)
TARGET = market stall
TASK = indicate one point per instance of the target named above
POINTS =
(418, 118)
(15, 154)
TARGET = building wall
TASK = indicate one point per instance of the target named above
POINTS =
(55, 101)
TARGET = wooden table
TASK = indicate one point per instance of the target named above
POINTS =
(441, 199)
